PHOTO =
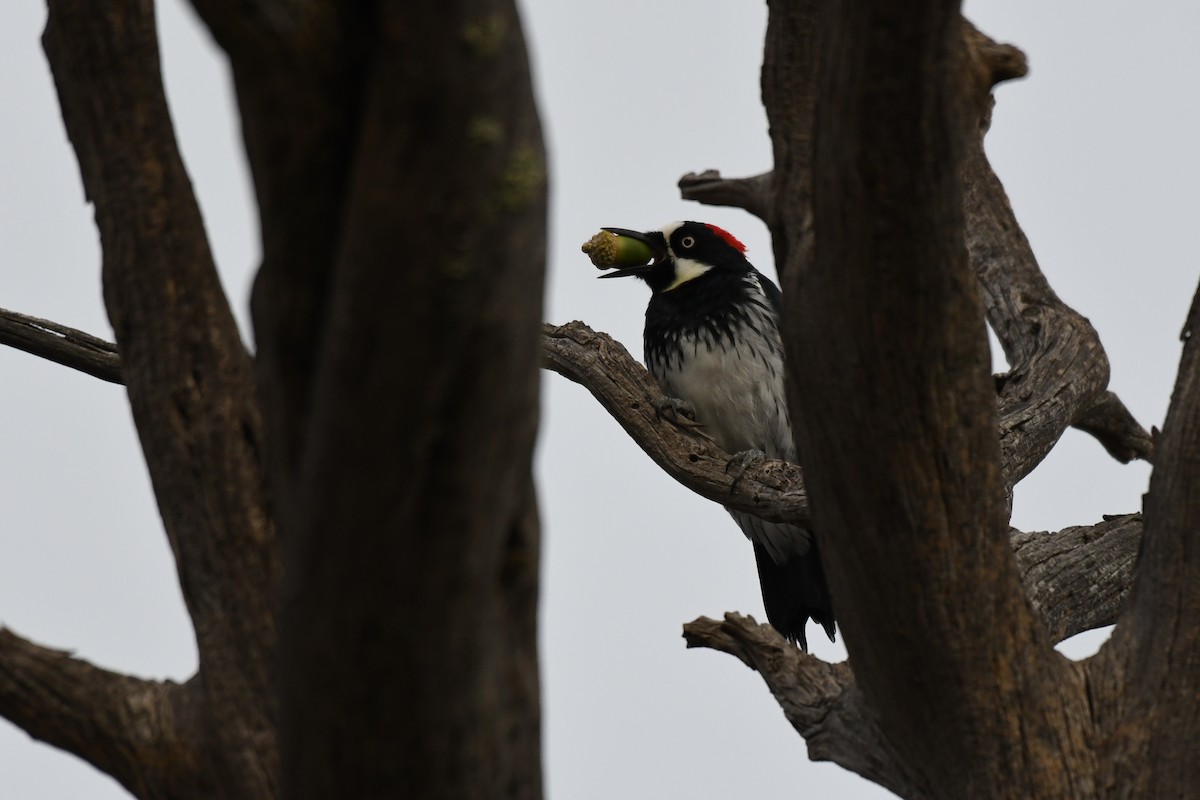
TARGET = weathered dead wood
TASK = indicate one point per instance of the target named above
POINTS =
(1080, 577)
(1146, 681)
(1076, 579)
(749, 194)
(187, 374)
(1059, 569)
(818, 698)
(898, 409)
(1116, 429)
(60, 344)
(1058, 370)
(771, 489)
(400, 175)
(126, 727)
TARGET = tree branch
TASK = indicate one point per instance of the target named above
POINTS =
(708, 187)
(60, 344)
(1113, 425)
(818, 698)
(770, 489)
(124, 726)
(898, 410)
(1059, 369)
(1080, 577)
(188, 376)
(1068, 600)
(1059, 363)
(1076, 579)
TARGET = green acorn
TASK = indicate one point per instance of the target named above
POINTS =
(608, 250)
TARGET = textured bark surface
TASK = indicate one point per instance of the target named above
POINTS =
(62, 345)
(1080, 577)
(398, 354)
(769, 488)
(900, 488)
(145, 734)
(1076, 579)
(898, 408)
(1147, 679)
(377, 135)
(191, 388)
(400, 177)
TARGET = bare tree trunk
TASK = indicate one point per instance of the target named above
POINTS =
(1145, 682)
(398, 311)
(909, 499)
(401, 180)
(191, 388)
(385, 429)
(955, 691)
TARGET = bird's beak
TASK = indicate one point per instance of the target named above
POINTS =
(658, 249)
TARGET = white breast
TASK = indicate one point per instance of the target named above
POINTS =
(736, 386)
(734, 381)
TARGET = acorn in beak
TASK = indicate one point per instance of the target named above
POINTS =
(628, 253)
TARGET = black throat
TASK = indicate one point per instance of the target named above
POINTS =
(709, 308)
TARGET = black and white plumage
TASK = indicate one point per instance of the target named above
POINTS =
(712, 339)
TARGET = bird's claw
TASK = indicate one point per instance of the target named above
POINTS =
(740, 462)
(677, 412)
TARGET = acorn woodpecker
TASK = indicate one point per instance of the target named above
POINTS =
(712, 340)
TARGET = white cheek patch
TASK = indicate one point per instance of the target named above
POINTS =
(686, 270)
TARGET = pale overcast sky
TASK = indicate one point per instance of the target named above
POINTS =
(1097, 150)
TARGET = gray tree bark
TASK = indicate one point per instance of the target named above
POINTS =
(352, 455)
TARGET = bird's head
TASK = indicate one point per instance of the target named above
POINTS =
(682, 252)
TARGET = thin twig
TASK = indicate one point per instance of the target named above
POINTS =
(60, 344)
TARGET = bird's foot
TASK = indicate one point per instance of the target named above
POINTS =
(677, 412)
(740, 462)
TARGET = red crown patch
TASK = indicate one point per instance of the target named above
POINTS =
(728, 237)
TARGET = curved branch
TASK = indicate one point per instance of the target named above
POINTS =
(124, 726)
(818, 698)
(60, 344)
(1113, 425)
(188, 376)
(770, 489)
(1076, 579)
(1057, 568)
(1059, 369)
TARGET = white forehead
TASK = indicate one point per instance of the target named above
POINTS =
(669, 230)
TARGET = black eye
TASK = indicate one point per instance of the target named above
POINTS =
(687, 242)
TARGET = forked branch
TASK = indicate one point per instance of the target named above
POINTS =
(187, 373)
(1076, 579)
(1059, 371)
(123, 726)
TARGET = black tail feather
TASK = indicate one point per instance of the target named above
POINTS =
(793, 593)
